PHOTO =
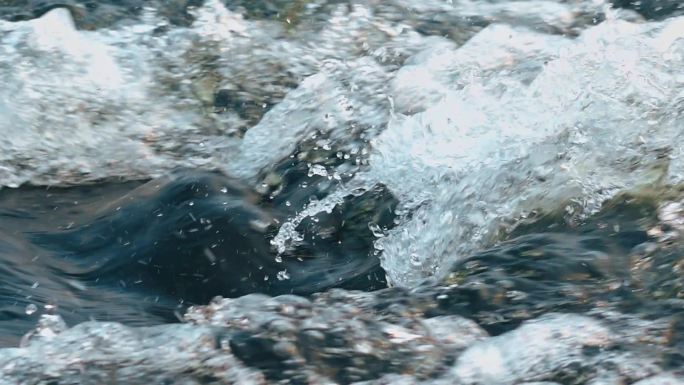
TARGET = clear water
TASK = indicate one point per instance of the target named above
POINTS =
(477, 116)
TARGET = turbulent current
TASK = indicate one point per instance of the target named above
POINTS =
(437, 192)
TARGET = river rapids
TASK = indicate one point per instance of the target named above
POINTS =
(342, 191)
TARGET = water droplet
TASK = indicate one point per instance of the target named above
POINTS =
(210, 255)
(224, 190)
(279, 259)
(288, 204)
(31, 308)
(282, 275)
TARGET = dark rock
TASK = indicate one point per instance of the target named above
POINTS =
(341, 342)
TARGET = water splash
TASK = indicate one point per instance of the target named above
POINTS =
(510, 114)
(599, 118)
(288, 236)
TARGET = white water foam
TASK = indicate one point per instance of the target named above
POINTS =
(603, 117)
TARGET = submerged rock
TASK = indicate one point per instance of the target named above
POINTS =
(287, 339)
(112, 353)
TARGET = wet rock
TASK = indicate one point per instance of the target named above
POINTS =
(530, 276)
(48, 327)
(454, 331)
(340, 342)
(112, 353)
(334, 339)
(537, 350)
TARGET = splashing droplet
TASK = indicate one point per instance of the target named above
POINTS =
(283, 275)
(31, 308)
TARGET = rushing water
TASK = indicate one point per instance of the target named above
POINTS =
(155, 157)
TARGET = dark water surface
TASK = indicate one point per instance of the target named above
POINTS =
(140, 253)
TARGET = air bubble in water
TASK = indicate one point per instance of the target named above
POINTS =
(31, 308)
(414, 259)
